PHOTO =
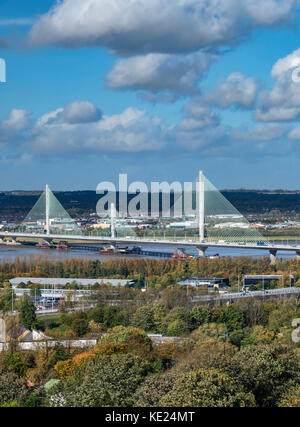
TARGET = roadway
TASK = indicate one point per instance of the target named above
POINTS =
(240, 295)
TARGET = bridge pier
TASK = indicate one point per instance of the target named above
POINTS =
(201, 251)
(273, 258)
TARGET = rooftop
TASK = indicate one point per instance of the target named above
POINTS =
(62, 282)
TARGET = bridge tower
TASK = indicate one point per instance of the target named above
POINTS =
(112, 220)
(47, 210)
(201, 206)
(201, 214)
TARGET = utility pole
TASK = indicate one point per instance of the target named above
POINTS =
(47, 211)
(201, 206)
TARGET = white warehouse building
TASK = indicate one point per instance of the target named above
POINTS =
(17, 281)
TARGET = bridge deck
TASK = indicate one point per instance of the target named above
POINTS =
(136, 241)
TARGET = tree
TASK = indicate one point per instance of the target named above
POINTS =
(206, 388)
(80, 327)
(154, 389)
(159, 314)
(96, 314)
(259, 335)
(179, 313)
(177, 328)
(174, 297)
(282, 317)
(216, 331)
(266, 370)
(102, 381)
(201, 315)
(236, 337)
(6, 300)
(111, 316)
(291, 399)
(27, 313)
(143, 319)
(12, 388)
(233, 317)
(136, 339)
(57, 354)
(207, 353)
(15, 363)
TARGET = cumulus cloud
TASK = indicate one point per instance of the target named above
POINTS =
(261, 132)
(14, 126)
(134, 132)
(243, 142)
(209, 141)
(282, 103)
(160, 72)
(17, 121)
(75, 112)
(237, 90)
(199, 117)
(61, 132)
(153, 26)
(294, 133)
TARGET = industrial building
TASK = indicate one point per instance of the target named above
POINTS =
(264, 281)
(81, 283)
(214, 282)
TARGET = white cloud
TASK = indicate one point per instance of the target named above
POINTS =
(17, 121)
(199, 117)
(284, 65)
(133, 131)
(282, 103)
(61, 132)
(155, 26)
(177, 74)
(154, 98)
(237, 90)
(208, 141)
(12, 129)
(261, 132)
(294, 133)
(75, 112)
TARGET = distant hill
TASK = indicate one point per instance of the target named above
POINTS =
(14, 205)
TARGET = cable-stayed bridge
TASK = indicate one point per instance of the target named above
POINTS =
(219, 225)
(201, 246)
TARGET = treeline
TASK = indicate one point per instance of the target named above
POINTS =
(155, 272)
(236, 356)
(173, 315)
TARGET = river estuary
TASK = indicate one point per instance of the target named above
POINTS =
(10, 252)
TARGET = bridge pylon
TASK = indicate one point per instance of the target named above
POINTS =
(47, 210)
(113, 220)
(48, 217)
(201, 192)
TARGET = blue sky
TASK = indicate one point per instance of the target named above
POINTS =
(155, 89)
